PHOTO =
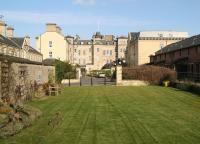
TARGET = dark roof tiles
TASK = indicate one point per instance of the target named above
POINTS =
(189, 42)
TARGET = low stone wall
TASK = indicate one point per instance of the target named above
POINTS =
(132, 83)
(72, 81)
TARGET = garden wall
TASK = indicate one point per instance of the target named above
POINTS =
(18, 80)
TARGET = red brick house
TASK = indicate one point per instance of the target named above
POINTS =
(183, 56)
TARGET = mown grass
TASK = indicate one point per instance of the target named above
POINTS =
(116, 115)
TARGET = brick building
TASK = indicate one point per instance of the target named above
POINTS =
(183, 56)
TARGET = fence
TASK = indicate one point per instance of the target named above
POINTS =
(89, 81)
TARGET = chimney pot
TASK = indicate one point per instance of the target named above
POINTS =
(10, 32)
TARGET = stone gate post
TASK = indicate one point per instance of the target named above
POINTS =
(78, 73)
(118, 75)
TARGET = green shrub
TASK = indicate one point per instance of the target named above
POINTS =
(64, 70)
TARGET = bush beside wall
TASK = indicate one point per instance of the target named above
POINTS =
(153, 74)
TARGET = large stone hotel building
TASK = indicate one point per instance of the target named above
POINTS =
(90, 54)
(143, 44)
(94, 53)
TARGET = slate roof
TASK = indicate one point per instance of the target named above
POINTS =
(7, 41)
(49, 62)
(68, 36)
(189, 42)
(31, 49)
(18, 41)
(104, 42)
(18, 60)
(122, 37)
(158, 35)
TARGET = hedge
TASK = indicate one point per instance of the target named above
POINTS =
(153, 74)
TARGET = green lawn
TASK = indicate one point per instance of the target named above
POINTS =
(116, 115)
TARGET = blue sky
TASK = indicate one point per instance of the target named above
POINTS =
(117, 17)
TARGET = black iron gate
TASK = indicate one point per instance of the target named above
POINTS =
(92, 81)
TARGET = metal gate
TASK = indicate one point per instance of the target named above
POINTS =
(92, 81)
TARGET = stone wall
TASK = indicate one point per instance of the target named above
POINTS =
(0, 80)
(4, 78)
(37, 73)
(17, 80)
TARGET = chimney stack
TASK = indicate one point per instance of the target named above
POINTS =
(10, 32)
(51, 27)
(59, 30)
(2, 28)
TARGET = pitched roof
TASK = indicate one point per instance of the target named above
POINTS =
(31, 49)
(189, 42)
(8, 41)
(103, 42)
(18, 40)
(18, 60)
(122, 37)
(158, 34)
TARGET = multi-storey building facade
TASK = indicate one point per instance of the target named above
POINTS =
(143, 44)
(52, 43)
(183, 56)
(121, 47)
(17, 46)
(90, 54)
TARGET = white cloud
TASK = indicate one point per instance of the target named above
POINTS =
(73, 19)
(84, 2)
